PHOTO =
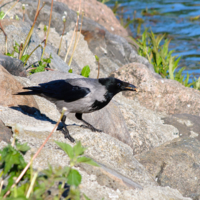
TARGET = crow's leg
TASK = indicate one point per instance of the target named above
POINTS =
(79, 116)
(65, 130)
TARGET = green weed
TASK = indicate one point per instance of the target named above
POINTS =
(156, 50)
(85, 71)
(41, 66)
(35, 184)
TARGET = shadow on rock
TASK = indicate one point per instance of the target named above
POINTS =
(38, 115)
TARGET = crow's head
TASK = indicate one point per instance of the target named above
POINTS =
(114, 85)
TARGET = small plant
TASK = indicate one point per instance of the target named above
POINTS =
(64, 24)
(2, 17)
(127, 22)
(23, 9)
(11, 164)
(76, 37)
(85, 71)
(149, 12)
(70, 71)
(2, 14)
(104, 1)
(48, 30)
(116, 7)
(97, 59)
(195, 18)
(16, 49)
(4, 35)
(41, 66)
(31, 30)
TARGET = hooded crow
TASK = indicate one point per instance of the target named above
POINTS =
(79, 95)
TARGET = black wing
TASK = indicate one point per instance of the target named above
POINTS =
(59, 89)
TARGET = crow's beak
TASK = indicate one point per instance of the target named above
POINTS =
(131, 88)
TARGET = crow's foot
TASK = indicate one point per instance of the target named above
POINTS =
(67, 135)
(91, 128)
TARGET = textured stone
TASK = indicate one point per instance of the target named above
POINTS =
(110, 120)
(109, 177)
(5, 132)
(10, 86)
(13, 65)
(17, 31)
(158, 94)
(175, 164)
(99, 13)
(146, 127)
(188, 125)
(82, 55)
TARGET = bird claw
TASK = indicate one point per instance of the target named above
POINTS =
(71, 139)
(68, 136)
(91, 128)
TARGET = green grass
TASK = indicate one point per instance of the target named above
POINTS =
(156, 50)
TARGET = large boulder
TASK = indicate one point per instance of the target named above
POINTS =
(5, 133)
(99, 13)
(158, 94)
(17, 31)
(188, 125)
(175, 164)
(146, 127)
(13, 65)
(10, 86)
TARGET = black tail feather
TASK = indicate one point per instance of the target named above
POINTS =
(27, 93)
(35, 90)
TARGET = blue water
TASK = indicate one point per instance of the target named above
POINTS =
(173, 19)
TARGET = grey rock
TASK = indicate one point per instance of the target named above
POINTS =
(10, 86)
(161, 95)
(17, 31)
(113, 51)
(56, 62)
(109, 177)
(139, 59)
(146, 127)
(5, 133)
(13, 65)
(110, 120)
(175, 164)
(43, 77)
(188, 125)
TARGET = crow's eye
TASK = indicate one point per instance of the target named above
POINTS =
(119, 85)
